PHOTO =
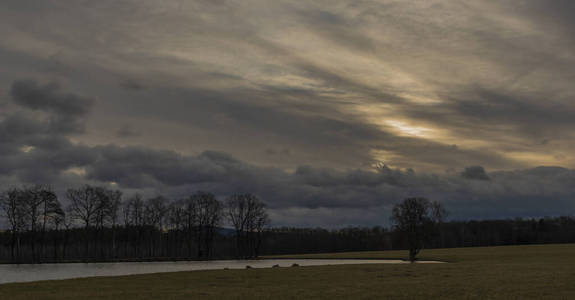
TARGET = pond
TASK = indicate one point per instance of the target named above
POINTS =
(36, 272)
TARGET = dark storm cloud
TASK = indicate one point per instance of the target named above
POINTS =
(20, 130)
(36, 147)
(556, 15)
(312, 189)
(127, 131)
(475, 172)
(337, 29)
(66, 110)
(132, 85)
(313, 126)
(308, 190)
(330, 78)
(529, 114)
(289, 95)
(428, 85)
(280, 152)
(30, 94)
(41, 155)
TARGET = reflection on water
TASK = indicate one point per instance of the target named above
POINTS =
(29, 272)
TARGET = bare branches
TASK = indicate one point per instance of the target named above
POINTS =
(416, 219)
(249, 217)
(154, 227)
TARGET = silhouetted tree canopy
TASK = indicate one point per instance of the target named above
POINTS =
(99, 224)
(417, 218)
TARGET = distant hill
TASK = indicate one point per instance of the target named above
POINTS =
(225, 231)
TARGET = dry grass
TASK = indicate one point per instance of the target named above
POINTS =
(513, 272)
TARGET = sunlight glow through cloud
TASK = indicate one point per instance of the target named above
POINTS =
(300, 93)
(405, 129)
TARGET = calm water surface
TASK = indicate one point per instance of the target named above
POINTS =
(36, 272)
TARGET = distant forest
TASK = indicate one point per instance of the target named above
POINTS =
(98, 225)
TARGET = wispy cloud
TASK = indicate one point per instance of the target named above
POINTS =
(428, 85)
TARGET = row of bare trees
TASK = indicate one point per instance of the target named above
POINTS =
(98, 224)
(32, 210)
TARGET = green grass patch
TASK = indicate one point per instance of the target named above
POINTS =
(510, 272)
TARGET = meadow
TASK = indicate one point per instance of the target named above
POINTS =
(506, 272)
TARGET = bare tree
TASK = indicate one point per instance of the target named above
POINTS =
(68, 222)
(88, 229)
(208, 212)
(89, 205)
(258, 220)
(176, 219)
(52, 214)
(112, 209)
(55, 218)
(34, 201)
(155, 210)
(237, 213)
(415, 218)
(85, 203)
(51, 209)
(190, 221)
(133, 211)
(248, 216)
(12, 204)
(438, 215)
(106, 215)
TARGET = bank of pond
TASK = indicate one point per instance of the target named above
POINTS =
(37, 272)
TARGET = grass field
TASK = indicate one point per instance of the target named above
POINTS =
(511, 272)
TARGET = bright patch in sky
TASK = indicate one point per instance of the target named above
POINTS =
(76, 171)
(293, 100)
(405, 129)
(26, 149)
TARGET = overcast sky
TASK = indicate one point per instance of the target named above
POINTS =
(466, 102)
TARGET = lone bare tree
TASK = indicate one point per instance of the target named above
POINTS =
(417, 218)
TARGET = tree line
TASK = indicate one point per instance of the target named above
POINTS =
(449, 234)
(99, 225)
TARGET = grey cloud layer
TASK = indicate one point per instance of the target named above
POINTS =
(294, 73)
(334, 85)
(307, 196)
